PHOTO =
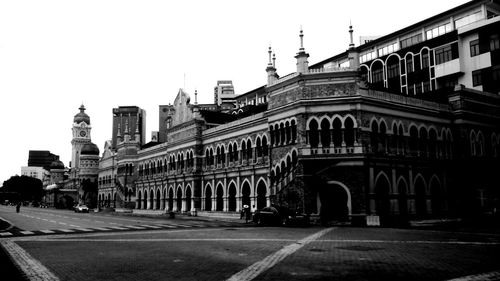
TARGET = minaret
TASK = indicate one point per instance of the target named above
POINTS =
(271, 69)
(137, 136)
(302, 63)
(352, 53)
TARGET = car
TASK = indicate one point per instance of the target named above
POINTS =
(80, 208)
(268, 216)
(280, 215)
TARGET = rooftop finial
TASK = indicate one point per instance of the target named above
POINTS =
(270, 51)
(301, 39)
(195, 97)
(274, 60)
(351, 44)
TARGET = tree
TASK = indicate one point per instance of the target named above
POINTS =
(28, 188)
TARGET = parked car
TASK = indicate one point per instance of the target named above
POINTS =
(280, 215)
(267, 215)
(80, 208)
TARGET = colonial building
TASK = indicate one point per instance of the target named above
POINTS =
(404, 126)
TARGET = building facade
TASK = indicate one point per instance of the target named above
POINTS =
(404, 126)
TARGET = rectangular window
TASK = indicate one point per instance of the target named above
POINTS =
(377, 76)
(427, 86)
(476, 78)
(474, 48)
(418, 88)
(393, 70)
(415, 39)
(425, 60)
(494, 42)
(409, 64)
(438, 31)
(443, 54)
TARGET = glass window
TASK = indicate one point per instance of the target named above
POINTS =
(474, 48)
(494, 42)
(438, 31)
(425, 60)
(443, 54)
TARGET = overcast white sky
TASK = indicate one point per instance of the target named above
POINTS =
(56, 55)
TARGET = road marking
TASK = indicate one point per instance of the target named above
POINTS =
(72, 225)
(494, 275)
(47, 231)
(66, 230)
(102, 228)
(32, 268)
(150, 226)
(84, 229)
(257, 268)
(26, 232)
(133, 227)
(5, 234)
(116, 227)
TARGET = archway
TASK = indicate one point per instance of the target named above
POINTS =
(261, 195)
(382, 201)
(245, 194)
(208, 198)
(139, 200)
(170, 199)
(420, 198)
(158, 198)
(188, 199)
(179, 199)
(151, 199)
(402, 199)
(220, 198)
(335, 202)
(436, 198)
(232, 198)
(145, 199)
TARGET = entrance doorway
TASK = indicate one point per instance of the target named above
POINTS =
(335, 202)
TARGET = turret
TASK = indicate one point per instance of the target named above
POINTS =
(271, 69)
(302, 63)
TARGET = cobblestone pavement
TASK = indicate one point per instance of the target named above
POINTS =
(262, 253)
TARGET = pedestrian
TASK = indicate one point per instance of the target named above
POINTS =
(248, 213)
(253, 210)
(18, 207)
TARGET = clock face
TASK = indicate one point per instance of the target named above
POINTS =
(83, 133)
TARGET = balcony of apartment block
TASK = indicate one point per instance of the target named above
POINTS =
(448, 68)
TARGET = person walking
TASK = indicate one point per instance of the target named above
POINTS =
(248, 213)
(18, 207)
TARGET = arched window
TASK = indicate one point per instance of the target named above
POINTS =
(313, 134)
(413, 142)
(294, 131)
(249, 150)
(423, 142)
(349, 132)
(271, 133)
(258, 148)
(265, 149)
(288, 132)
(325, 133)
(337, 132)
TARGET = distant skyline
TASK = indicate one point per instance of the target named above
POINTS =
(56, 55)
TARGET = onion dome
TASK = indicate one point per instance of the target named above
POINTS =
(89, 149)
(58, 164)
(82, 116)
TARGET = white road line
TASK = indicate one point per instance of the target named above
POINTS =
(26, 232)
(117, 227)
(47, 231)
(85, 229)
(101, 228)
(150, 226)
(494, 275)
(66, 230)
(32, 268)
(5, 234)
(257, 268)
(134, 227)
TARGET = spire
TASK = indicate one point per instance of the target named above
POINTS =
(351, 44)
(274, 60)
(269, 52)
(195, 97)
(301, 40)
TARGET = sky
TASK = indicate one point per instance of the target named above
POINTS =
(57, 55)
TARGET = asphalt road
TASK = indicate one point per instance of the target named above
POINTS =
(213, 250)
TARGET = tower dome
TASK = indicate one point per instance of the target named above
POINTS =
(82, 116)
(58, 164)
(89, 149)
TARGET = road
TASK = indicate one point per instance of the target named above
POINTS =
(212, 250)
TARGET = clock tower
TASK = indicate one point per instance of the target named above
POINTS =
(81, 135)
